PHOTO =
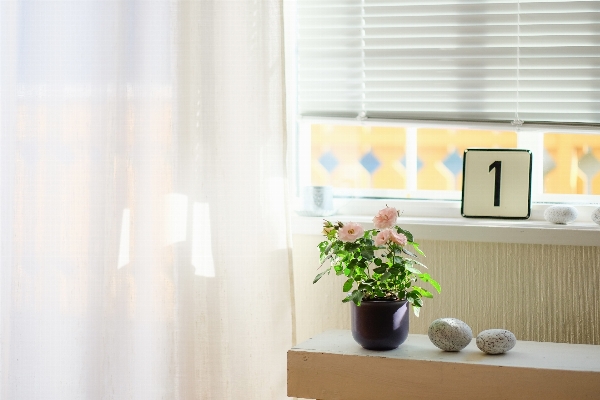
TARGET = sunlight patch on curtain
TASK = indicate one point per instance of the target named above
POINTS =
(124, 241)
(202, 257)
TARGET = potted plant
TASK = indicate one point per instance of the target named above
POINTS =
(381, 275)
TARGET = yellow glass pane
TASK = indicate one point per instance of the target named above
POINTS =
(440, 153)
(358, 156)
(572, 163)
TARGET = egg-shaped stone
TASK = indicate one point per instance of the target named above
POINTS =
(596, 216)
(450, 334)
(496, 341)
(560, 214)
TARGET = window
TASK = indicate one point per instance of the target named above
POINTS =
(388, 94)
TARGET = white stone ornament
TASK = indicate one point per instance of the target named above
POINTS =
(450, 334)
(596, 216)
(496, 341)
(560, 214)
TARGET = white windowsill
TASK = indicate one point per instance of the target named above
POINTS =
(445, 223)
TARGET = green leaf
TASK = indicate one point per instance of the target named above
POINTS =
(380, 270)
(414, 299)
(431, 281)
(348, 285)
(416, 310)
(412, 269)
(416, 246)
(357, 296)
(423, 292)
(320, 275)
(351, 246)
(377, 261)
(408, 252)
(368, 254)
(359, 275)
(323, 258)
(385, 276)
(420, 263)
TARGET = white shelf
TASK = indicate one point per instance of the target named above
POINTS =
(333, 366)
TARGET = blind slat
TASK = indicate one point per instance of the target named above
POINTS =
(444, 59)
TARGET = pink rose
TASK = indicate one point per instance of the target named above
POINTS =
(390, 235)
(350, 232)
(382, 237)
(398, 238)
(385, 218)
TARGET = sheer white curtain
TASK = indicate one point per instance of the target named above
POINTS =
(144, 230)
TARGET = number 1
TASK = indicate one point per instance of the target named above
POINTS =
(497, 165)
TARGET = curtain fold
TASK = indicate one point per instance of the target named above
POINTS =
(144, 229)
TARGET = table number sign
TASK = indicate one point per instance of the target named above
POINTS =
(496, 183)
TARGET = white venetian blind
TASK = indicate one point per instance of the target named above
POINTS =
(470, 60)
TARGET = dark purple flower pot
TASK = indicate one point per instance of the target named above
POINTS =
(380, 324)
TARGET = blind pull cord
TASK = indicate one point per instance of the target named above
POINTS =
(517, 121)
(362, 114)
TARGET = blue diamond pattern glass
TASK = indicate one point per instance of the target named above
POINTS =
(370, 162)
(589, 164)
(329, 161)
(419, 163)
(454, 163)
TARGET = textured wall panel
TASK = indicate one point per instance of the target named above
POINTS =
(539, 292)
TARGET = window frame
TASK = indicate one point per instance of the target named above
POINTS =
(530, 137)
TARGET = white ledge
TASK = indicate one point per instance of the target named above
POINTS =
(332, 366)
(472, 230)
